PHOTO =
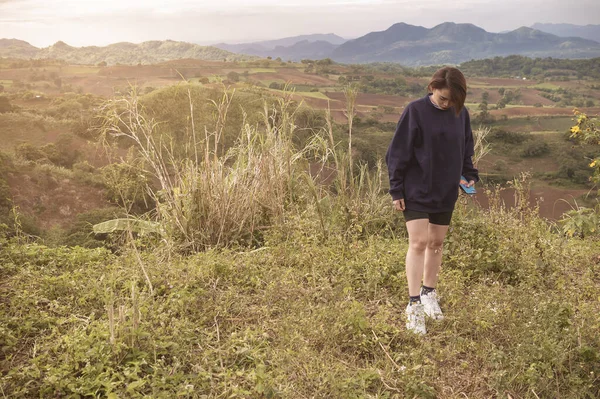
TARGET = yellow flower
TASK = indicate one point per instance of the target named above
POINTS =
(594, 163)
(575, 129)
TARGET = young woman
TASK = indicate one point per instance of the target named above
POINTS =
(431, 149)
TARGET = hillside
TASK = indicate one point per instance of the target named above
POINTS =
(278, 287)
(150, 52)
(13, 48)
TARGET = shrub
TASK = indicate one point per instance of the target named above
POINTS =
(535, 149)
(81, 232)
(497, 135)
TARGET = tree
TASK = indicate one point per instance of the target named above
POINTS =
(233, 76)
(485, 96)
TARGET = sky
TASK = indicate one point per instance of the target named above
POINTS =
(101, 22)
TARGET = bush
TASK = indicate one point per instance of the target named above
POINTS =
(81, 232)
(497, 135)
(536, 149)
(29, 152)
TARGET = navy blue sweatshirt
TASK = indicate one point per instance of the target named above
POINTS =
(430, 150)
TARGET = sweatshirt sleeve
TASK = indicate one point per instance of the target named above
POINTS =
(400, 151)
(468, 170)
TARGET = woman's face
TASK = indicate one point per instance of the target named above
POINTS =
(442, 98)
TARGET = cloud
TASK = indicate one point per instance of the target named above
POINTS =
(87, 22)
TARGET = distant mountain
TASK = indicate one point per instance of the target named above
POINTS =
(590, 32)
(451, 43)
(447, 43)
(124, 53)
(13, 48)
(285, 42)
(304, 49)
(292, 48)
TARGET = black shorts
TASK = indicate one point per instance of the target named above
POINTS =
(440, 218)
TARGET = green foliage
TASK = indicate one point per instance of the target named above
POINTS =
(587, 130)
(397, 86)
(126, 184)
(233, 76)
(325, 314)
(81, 233)
(6, 205)
(170, 108)
(72, 106)
(535, 149)
(138, 226)
(581, 222)
(60, 153)
(503, 136)
(540, 67)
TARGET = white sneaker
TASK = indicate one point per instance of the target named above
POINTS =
(415, 318)
(431, 306)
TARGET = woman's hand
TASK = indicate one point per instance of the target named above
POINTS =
(399, 204)
(469, 184)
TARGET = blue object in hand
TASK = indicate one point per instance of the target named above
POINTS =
(463, 186)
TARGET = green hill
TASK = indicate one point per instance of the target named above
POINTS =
(150, 52)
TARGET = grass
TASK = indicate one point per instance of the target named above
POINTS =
(313, 94)
(265, 283)
(262, 70)
(545, 132)
(24, 127)
(302, 317)
(80, 70)
(545, 85)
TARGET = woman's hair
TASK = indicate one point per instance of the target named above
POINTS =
(453, 79)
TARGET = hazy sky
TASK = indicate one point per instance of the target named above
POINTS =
(100, 22)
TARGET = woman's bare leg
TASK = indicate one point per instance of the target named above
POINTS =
(433, 254)
(416, 254)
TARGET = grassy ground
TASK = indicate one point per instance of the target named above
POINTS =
(302, 317)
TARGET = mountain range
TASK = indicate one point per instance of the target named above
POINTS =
(451, 43)
(150, 52)
(262, 48)
(447, 43)
(415, 45)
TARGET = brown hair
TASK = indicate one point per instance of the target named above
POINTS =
(453, 79)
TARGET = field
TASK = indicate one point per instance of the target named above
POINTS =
(530, 110)
(260, 257)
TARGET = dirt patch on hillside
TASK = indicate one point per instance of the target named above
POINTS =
(294, 76)
(532, 97)
(551, 200)
(544, 111)
(53, 201)
(500, 82)
(372, 100)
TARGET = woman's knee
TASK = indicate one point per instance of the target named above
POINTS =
(417, 244)
(435, 245)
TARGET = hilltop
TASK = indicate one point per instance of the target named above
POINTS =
(149, 52)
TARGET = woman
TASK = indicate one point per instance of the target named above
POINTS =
(431, 149)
